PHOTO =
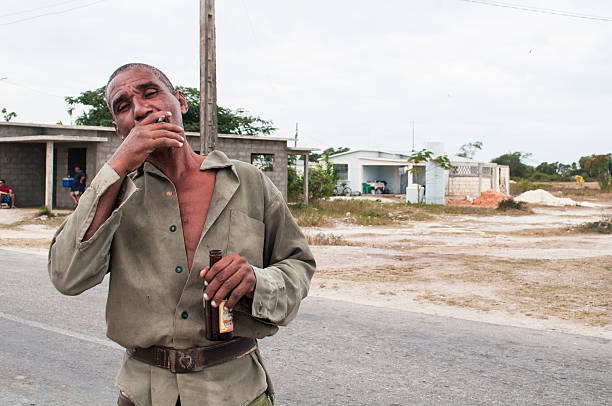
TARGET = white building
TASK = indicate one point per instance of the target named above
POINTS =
(370, 166)
(466, 178)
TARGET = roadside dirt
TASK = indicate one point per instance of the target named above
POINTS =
(528, 271)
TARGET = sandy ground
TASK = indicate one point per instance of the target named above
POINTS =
(526, 271)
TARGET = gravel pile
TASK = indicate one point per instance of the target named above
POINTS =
(544, 198)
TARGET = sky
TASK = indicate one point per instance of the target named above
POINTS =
(353, 74)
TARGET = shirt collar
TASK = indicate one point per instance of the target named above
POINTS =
(215, 160)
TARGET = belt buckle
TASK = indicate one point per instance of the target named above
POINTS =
(186, 361)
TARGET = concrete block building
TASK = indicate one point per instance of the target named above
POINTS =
(34, 158)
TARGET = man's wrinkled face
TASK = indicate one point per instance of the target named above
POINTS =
(136, 93)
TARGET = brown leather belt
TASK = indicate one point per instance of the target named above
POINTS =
(194, 359)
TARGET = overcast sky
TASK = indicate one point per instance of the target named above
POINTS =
(352, 73)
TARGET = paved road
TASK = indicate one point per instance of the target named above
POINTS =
(54, 352)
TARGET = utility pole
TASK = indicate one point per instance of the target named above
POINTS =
(412, 135)
(296, 136)
(208, 78)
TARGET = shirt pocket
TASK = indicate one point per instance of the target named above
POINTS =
(246, 237)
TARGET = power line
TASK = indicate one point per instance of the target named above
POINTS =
(53, 13)
(37, 8)
(540, 10)
(31, 88)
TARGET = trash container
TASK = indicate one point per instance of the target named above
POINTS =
(67, 182)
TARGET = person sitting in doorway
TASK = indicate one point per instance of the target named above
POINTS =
(7, 194)
(78, 185)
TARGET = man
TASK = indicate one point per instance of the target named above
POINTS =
(7, 194)
(152, 230)
(78, 186)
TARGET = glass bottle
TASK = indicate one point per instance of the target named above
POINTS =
(219, 320)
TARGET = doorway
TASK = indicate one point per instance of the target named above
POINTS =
(77, 157)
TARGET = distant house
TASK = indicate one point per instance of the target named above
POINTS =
(364, 170)
(34, 158)
(371, 166)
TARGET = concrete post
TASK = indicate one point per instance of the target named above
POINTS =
(479, 179)
(49, 176)
(306, 179)
(495, 180)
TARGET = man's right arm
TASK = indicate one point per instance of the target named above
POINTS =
(79, 255)
(80, 250)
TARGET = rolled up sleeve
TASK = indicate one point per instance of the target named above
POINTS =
(75, 265)
(285, 281)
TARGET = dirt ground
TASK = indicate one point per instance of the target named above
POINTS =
(527, 270)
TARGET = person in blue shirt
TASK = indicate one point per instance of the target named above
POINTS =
(78, 185)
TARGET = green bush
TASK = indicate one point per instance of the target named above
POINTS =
(522, 186)
(511, 204)
(295, 184)
(322, 179)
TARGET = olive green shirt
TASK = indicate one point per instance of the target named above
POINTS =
(154, 299)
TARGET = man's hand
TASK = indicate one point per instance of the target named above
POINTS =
(232, 276)
(143, 139)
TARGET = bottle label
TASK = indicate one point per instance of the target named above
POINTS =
(226, 321)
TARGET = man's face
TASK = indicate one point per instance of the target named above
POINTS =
(136, 93)
(1, 183)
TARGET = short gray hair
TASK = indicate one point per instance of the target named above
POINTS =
(135, 65)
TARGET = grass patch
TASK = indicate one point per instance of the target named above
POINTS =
(45, 211)
(321, 213)
(511, 204)
(603, 226)
(569, 289)
(330, 239)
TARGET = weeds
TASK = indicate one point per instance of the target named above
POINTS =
(329, 239)
(511, 204)
(45, 211)
(320, 213)
(603, 226)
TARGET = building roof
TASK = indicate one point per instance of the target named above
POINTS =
(74, 138)
(368, 150)
(53, 138)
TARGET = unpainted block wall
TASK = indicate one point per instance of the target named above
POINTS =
(241, 150)
(467, 185)
(23, 168)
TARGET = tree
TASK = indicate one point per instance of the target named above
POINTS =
(514, 160)
(322, 179)
(96, 112)
(469, 150)
(314, 157)
(424, 156)
(229, 121)
(600, 167)
(597, 166)
(554, 168)
(295, 184)
(8, 116)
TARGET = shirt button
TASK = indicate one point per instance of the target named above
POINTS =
(168, 194)
(178, 269)
(184, 315)
(173, 228)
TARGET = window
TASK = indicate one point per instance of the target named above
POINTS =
(263, 162)
(341, 171)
